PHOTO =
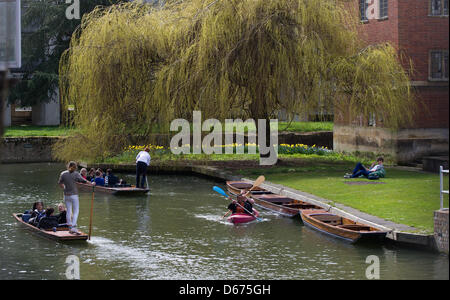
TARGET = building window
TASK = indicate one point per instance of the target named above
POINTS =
(439, 65)
(439, 7)
(383, 9)
(363, 10)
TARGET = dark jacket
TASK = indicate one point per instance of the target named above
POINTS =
(232, 207)
(48, 222)
(248, 206)
(62, 219)
(112, 180)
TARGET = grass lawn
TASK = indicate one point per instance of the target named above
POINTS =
(29, 130)
(407, 197)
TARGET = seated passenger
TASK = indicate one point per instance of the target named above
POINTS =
(62, 216)
(37, 213)
(48, 221)
(110, 178)
(91, 174)
(83, 173)
(99, 180)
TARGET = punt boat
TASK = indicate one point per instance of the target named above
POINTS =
(235, 187)
(340, 227)
(130, 190)
(62, 234)
(282, 205)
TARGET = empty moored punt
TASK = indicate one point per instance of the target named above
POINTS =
(131, 190)
(235, 187)
(340, 227)
(282, 205)
(61, 235)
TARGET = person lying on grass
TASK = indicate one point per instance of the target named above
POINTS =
(375, 171)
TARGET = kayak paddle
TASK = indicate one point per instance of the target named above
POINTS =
(220, 191)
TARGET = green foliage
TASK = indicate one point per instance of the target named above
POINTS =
(131, 67)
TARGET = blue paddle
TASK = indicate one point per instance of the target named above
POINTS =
(222, 192)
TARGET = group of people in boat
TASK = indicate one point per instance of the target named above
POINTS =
(101, 178)
(242, 204)
(45, 218)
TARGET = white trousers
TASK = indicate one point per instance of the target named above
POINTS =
(73, 206)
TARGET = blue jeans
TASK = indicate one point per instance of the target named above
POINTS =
(359, 170)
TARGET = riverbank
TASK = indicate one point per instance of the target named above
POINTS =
(414, 228)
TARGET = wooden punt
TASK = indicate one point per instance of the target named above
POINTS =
(282, 205)
(235, 187)
(61, 235)
(113, 190)
(340, 227)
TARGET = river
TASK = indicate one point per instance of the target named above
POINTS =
(176, 232)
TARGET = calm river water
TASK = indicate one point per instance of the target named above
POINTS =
(176, 233)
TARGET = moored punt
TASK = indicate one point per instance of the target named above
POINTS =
(239, 218)
(282, 205)
(113, 190)
(62, 234)
(340, 227)
(235, 187)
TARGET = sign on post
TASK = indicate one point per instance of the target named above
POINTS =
(10, 31)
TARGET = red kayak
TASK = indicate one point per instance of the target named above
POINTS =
(239, 218)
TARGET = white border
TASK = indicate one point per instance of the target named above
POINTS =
(17, 63)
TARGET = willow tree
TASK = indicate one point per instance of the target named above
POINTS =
(228, 58)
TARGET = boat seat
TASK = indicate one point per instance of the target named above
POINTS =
(355, 227)
(329, 219)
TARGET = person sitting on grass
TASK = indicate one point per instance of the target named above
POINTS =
(375, 171)
(99, 180)
(48, 221)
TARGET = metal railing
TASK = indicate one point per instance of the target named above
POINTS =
(441, 179)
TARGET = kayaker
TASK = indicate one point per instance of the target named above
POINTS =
(233, 206)
(67, 181)
(246, 202)
(142, 162)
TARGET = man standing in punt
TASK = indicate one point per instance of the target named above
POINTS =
(142, 162)
(67, 181)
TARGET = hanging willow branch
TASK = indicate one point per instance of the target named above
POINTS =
(133, 67)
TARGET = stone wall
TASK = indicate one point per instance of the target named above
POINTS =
(441, 229)
(27, 150)
(404, 145)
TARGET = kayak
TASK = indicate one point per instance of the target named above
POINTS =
(239, 218)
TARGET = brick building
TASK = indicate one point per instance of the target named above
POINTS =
(419, 29)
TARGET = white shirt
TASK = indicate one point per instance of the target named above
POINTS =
(143, 156)
(375, 168)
